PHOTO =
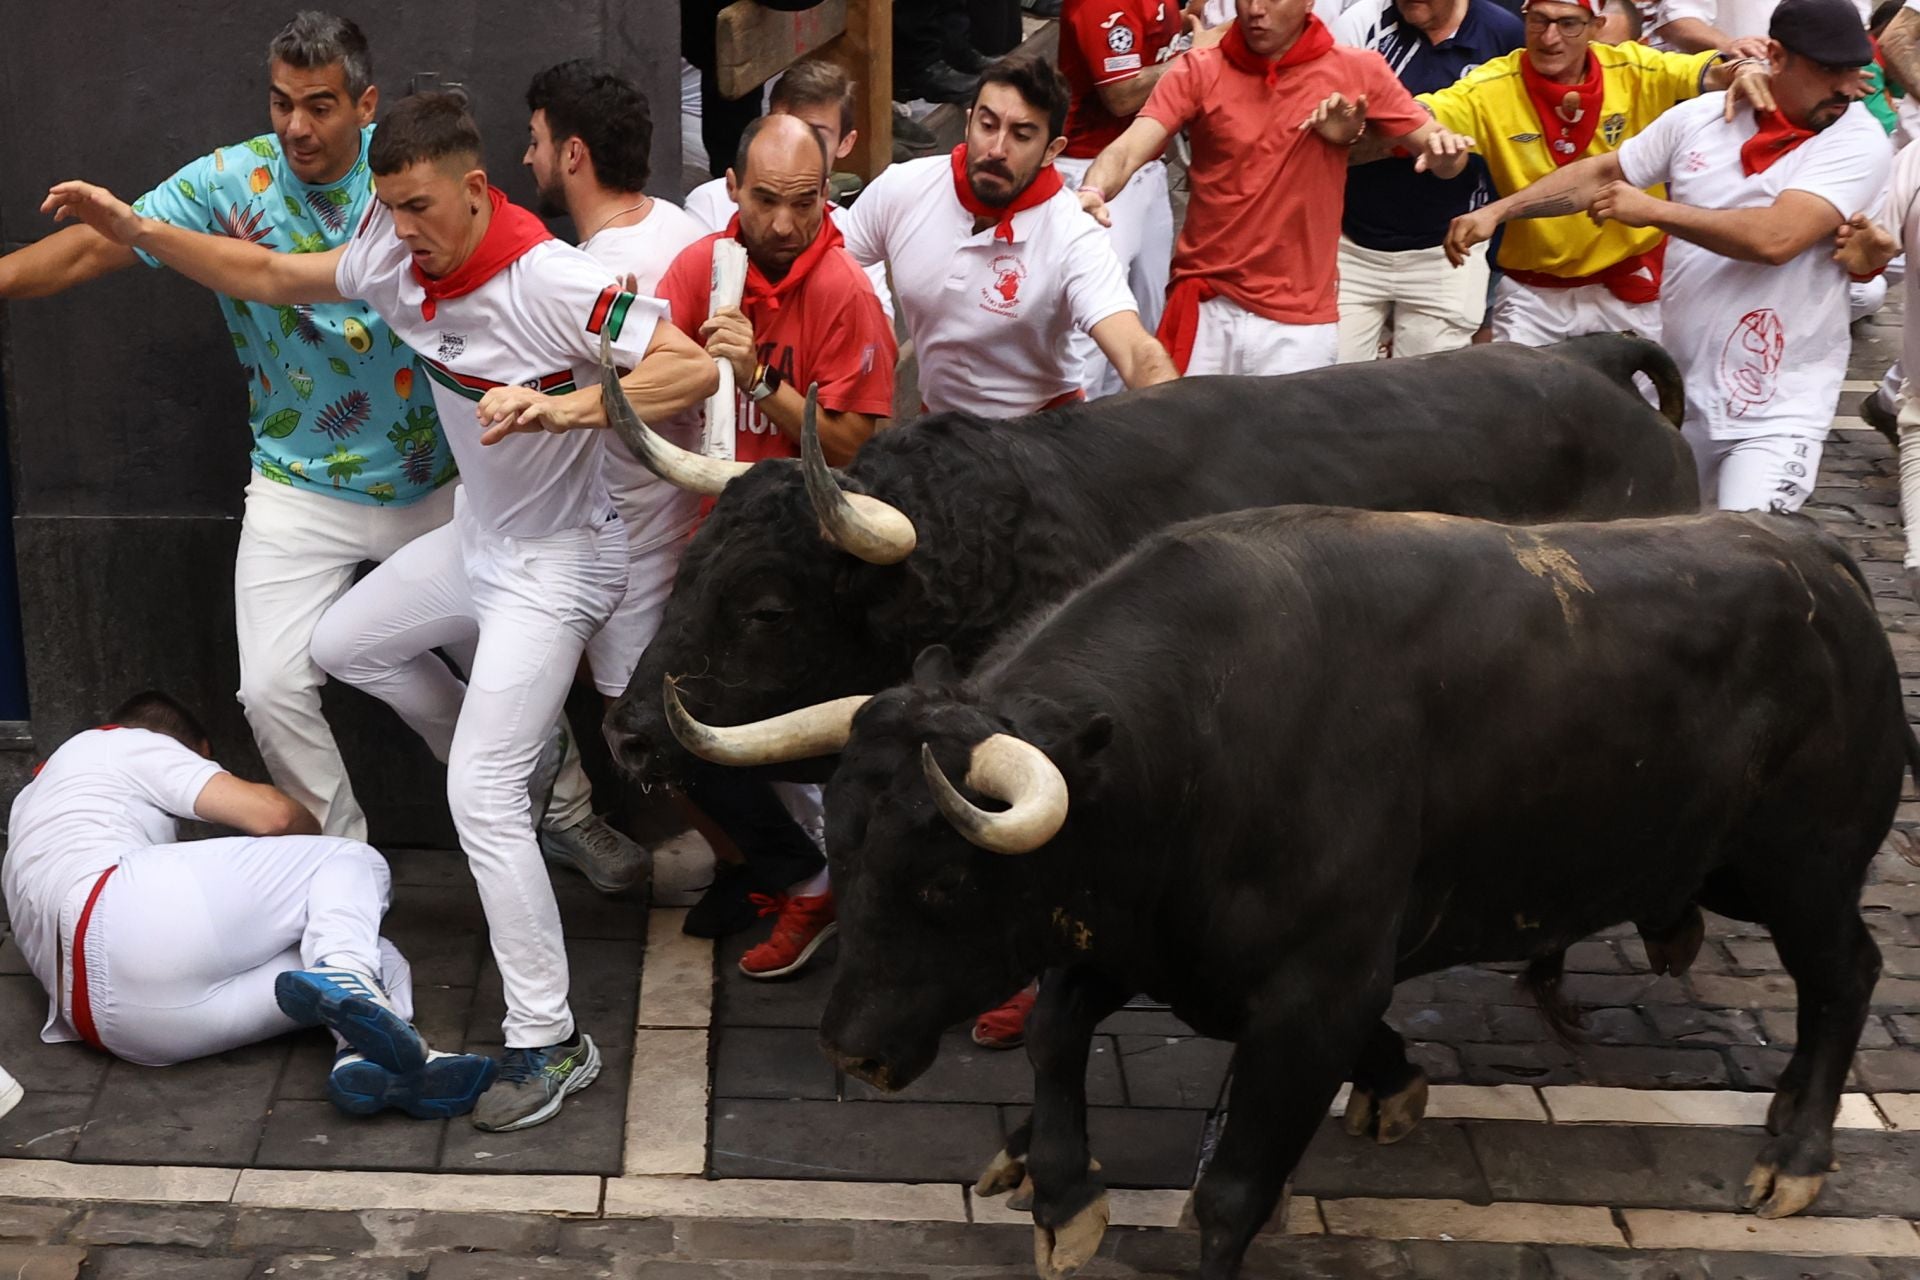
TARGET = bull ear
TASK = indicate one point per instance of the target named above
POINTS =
(935, 666)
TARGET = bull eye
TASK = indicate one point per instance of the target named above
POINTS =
(768, 616)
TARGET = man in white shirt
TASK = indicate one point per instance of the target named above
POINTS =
(508, 323)
(589, 135)
(995, 263)
(1755, 312)
(159, 951)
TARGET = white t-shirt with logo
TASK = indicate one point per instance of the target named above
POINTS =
(991, 320)
(710, 205)
(655, 512)
(1763, 348)
(104, 793)
(535, 324)
(1737, 18)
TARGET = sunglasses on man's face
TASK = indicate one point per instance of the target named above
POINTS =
(1568, 27)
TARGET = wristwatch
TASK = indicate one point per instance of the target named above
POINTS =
(766, 381)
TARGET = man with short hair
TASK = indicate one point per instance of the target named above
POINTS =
(159, 951)
(589, 135)
(1271, 112)
(1544, 108)
(348, 459)
(1756, 315)
(509, 323)
(808, 318)
(1394, 274)
(995, 263)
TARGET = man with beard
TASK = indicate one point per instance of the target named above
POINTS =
(808, 316)
(1272, 111)
(995, 263)
(1755, 311)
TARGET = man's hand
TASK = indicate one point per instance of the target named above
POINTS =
(1625, 204)
(1090, 201)
(1204, 36)
(1468, 230)
(1863, 247)
(505, 410)
(1445, 154)
(98, 207)
(729, 336)
(1747, 47)
(1752, 85)
(1338, 121)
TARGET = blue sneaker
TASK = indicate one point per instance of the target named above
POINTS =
(534, 1082)
(352, 1005)
(447, 1086)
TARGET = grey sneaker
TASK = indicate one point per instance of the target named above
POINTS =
(609, 860)
(546, 772)
(533, 1083)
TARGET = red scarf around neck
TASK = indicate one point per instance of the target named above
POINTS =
(1775, 137)
(1567, 140)
(1313, 41)
(762, 292)
(1039, 191)
(511, 231)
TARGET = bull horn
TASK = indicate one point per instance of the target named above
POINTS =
(819, 730)
(1010, 769)
(682, 468)
(863, 526)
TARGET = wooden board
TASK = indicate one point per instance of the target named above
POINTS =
(754, 44)
(865, 52)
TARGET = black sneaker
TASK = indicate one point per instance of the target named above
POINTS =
(725, 907)
(1875, 413)
(967, 60)
(935, 82)
(911, 134)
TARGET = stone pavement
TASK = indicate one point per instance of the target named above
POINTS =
(738, 1152)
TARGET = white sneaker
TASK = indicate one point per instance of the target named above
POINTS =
(10, 1092)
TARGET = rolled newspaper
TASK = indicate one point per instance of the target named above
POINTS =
(729, 282)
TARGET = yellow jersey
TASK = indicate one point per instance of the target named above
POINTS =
(1491, 105)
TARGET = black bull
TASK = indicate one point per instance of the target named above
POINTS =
(1009, 516)
(1310, 753)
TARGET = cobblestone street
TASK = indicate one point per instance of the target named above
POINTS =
(719, 1143)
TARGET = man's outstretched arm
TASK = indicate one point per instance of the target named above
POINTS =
(229, 266)
(70, 256)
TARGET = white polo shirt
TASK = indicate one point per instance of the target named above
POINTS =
(104, 793)
(535, 324)
(990, 320)
(709, 205)
(1763, 349)
(655, 511)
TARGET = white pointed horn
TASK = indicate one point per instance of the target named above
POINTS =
(819, 730)
(858, 524)
(1010, 769)
(682, 468)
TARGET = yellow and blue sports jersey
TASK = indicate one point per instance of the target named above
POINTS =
(1491, 104)
(332, 395)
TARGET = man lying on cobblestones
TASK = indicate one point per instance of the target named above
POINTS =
(158, 951)
(1756, 311)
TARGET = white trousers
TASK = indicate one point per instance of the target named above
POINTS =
(1231, 339)
(1142, 238)
(299, 551)
(615, 649)
(532, 604)
(1541, 317)
(1762, 473)
(1429, 304)
(186, 939)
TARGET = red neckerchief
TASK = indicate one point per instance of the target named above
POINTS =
(510, 233)
(1314, 40)
(1635, 279)
(1775, 137)
(1039, 191)
(1567, 140)
(762, 292)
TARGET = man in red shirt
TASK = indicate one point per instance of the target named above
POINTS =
(1271, 111)
(808, 315)
(1112, 54)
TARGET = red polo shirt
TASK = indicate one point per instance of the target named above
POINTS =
(1263, 221)
(1105, 42)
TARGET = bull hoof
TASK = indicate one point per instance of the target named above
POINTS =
(1387, 1119)
(1060, 1253)
(1003, 1173)
(1021, 1201)
(1673, 950)
(1772, 1194)
(1361, 1112)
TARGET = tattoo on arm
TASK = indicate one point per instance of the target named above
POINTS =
(1550, 207)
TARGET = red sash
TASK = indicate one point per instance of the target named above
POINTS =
(1635, 279)
(82, 1000)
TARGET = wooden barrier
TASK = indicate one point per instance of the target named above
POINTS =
(755, 44)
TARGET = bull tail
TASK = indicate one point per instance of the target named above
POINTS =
(1542, 981)
(1621, 355)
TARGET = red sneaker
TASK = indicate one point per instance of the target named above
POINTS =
(1006, 1027)
(803, 924)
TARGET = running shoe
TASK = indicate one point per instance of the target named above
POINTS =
(803, 924)
(448, 1085)
(353, 1006)
(533, 1083)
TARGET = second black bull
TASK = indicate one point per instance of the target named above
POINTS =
(806, 585)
